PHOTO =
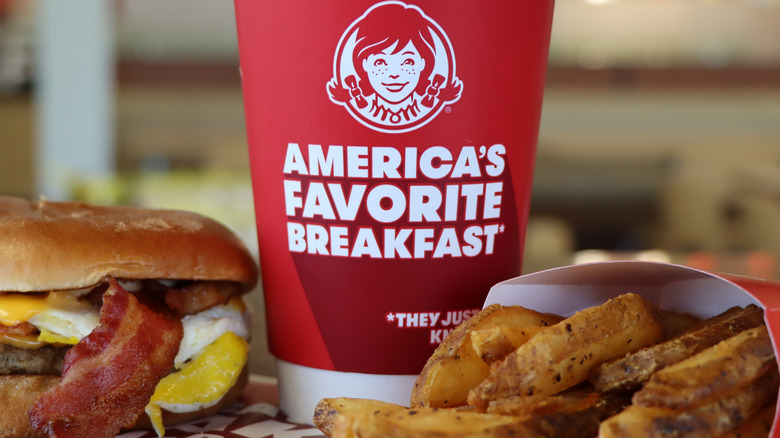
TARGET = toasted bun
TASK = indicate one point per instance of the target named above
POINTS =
(18, 393)
(68, 245)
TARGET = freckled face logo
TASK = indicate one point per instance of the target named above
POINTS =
(394, 69)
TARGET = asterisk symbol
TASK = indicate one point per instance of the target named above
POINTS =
(390, 317)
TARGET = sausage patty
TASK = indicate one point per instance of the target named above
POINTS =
(45, 360)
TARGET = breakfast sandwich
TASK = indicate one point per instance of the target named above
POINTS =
(114, 318)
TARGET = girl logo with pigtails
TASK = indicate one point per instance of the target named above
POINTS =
(394, 69)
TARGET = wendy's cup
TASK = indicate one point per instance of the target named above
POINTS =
(392, 150)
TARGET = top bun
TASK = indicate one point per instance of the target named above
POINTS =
(47, 246)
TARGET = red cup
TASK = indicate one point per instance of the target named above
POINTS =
(391, 183)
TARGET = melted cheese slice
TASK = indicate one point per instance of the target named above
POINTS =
(61, 317)
(19, 341)
(18, 308)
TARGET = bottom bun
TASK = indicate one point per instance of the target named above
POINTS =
(18, 393)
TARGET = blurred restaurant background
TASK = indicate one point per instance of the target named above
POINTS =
(659, 139)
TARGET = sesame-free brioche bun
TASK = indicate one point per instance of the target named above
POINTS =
(46, 246)
(18, 393)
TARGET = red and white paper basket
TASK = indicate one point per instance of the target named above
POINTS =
(672, 287)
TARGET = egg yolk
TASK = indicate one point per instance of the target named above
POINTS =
(53, 338)
(202, 382)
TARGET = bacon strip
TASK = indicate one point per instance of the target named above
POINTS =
(21, 329)
(110, 375)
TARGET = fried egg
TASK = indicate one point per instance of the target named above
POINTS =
(202, 382)
(61, 317)
(203, 328)
(213, 351)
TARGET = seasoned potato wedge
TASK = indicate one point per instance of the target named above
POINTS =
(571, 400)
(630, 372)
(757, 426)
(714, 418)
(347, 418)
(366, 418)
(495, 343)
(345, 411)
(730, 364)
(561, 356)
(621, 369)
(455, 367)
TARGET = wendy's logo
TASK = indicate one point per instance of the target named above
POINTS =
(394, 69)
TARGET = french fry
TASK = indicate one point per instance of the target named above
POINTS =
(630, 372)
(732, 363)
(561, 356)
(715, 418)
(455, 367)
